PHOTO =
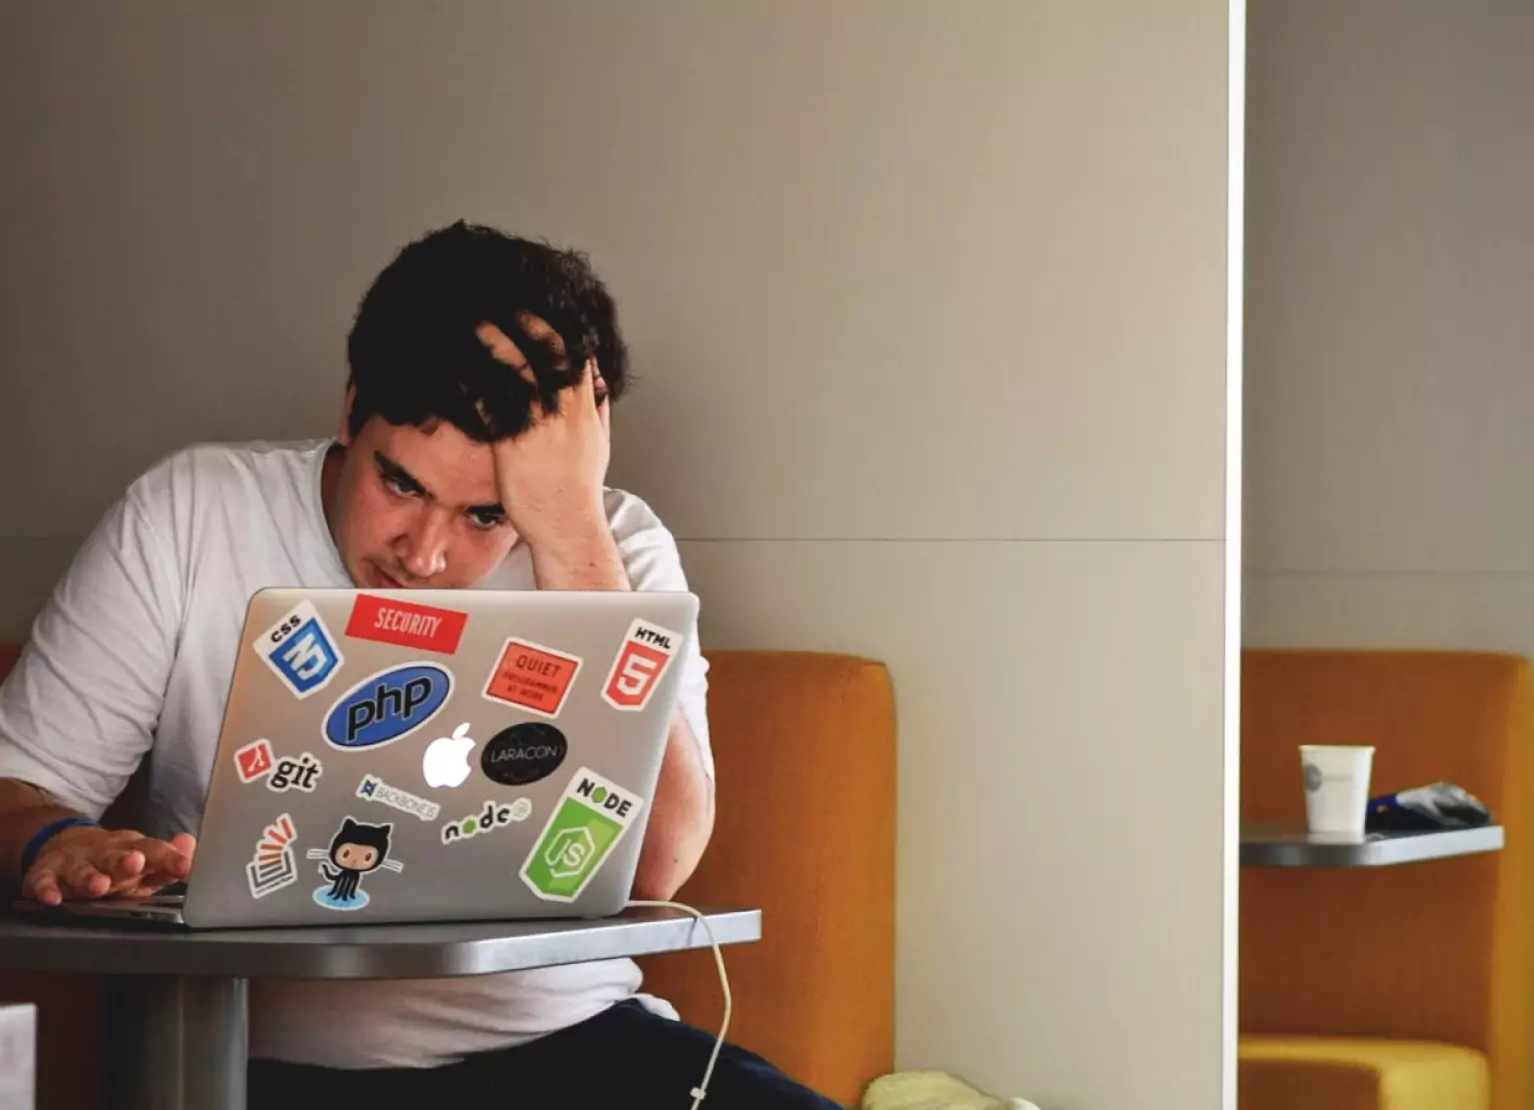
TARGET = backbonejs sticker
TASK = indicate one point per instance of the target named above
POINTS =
(301, 650)
(646, 652)
(374, 789)
(524, 753)
(495, 815)
(586, 825)
(356, 850)
(533, 678)
(407, 624)
(273, 867)
(388, 705)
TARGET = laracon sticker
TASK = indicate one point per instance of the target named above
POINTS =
(588, 822)
(423, 627)
(386, 706)
(532, 677)
(524, 753)
(646, 653)
(374, 789)
(495, 815)
(256, 761)
(300, 649)
(356, 850)
(273, 867)
(446, 762)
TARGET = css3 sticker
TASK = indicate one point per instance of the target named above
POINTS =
(356, 850)
(581, 833)
(646, 653)
(388, 705)
(301, 650)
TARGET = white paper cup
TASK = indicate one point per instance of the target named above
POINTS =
(1336, 787)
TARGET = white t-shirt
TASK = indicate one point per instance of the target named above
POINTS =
(136, 648)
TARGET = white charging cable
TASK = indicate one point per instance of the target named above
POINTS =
(701, 1090)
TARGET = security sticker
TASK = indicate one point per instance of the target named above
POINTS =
(356, 850)
(301, 650)
(495, 815)
(532, 677)
(590, 819)
(646, 653)
(273, 866)
(406, 624)
(374, 789)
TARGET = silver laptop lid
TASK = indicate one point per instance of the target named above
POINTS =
(438, 755)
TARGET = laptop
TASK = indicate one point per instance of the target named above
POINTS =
(430, 755)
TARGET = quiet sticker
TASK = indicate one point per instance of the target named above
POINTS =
(273, 867)
(581, 833)
(646, 652)
(406, 624)
(374, 789)
(300, 649)
(532, 677)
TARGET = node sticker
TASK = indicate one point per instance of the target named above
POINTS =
(586, 825)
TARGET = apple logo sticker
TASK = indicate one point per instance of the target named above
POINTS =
(446, 762)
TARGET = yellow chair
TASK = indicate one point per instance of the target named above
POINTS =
(1397, 988)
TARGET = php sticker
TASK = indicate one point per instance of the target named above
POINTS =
(422, 627)
(357, 849)
(588, 822)
(532, 677)
(300, 649)
(374, 789)
(646, 653)
(524, 753)
(386, 706)
(273, 866)
(495, 815)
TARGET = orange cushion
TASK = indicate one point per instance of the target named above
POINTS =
(1352, 1073)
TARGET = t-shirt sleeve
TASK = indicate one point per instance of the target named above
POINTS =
(652, 561)
(79, 710)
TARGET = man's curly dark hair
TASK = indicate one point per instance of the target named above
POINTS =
(413, 350)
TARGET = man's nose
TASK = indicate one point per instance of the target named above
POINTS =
(424, 551)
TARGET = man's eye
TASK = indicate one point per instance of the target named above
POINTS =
(394, 485)
(486, 520)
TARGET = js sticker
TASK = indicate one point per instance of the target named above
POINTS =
(586, 825)
(300, 649)
(646, 653)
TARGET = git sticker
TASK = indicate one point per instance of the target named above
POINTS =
(301, 650)
(532, 677)
(273, 866)
(646, 653)
(255, 761)
(586, 825)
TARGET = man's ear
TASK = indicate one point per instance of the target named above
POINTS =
(344, 432)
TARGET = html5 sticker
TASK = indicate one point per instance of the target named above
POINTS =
(422, 627)
(300, 649)
(646, 653)
(532, 677)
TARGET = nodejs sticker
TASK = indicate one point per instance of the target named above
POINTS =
(386, 706)
(494, 816)
(446, 762)
(273, 866)
(300, 649)
(422, 627)
(590, 819)
(356, 850)
(374, 789)
(523, 753)
(646, 653)
(532, 677)
(255, 761)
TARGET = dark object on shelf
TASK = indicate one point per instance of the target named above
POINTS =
(1441, 805)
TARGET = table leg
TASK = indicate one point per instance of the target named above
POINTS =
(176, 1043)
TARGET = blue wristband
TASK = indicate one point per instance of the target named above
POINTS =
(42, 836)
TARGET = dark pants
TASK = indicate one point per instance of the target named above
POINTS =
(626, 1057)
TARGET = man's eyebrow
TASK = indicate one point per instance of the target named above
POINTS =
(398, 473)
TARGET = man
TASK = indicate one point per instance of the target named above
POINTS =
(471, 452)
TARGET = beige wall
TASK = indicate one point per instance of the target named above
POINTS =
(1390, 324)
(930, 304)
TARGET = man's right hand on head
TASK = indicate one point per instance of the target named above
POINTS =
(86, 862)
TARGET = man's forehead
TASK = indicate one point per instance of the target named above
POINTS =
(454, 468)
